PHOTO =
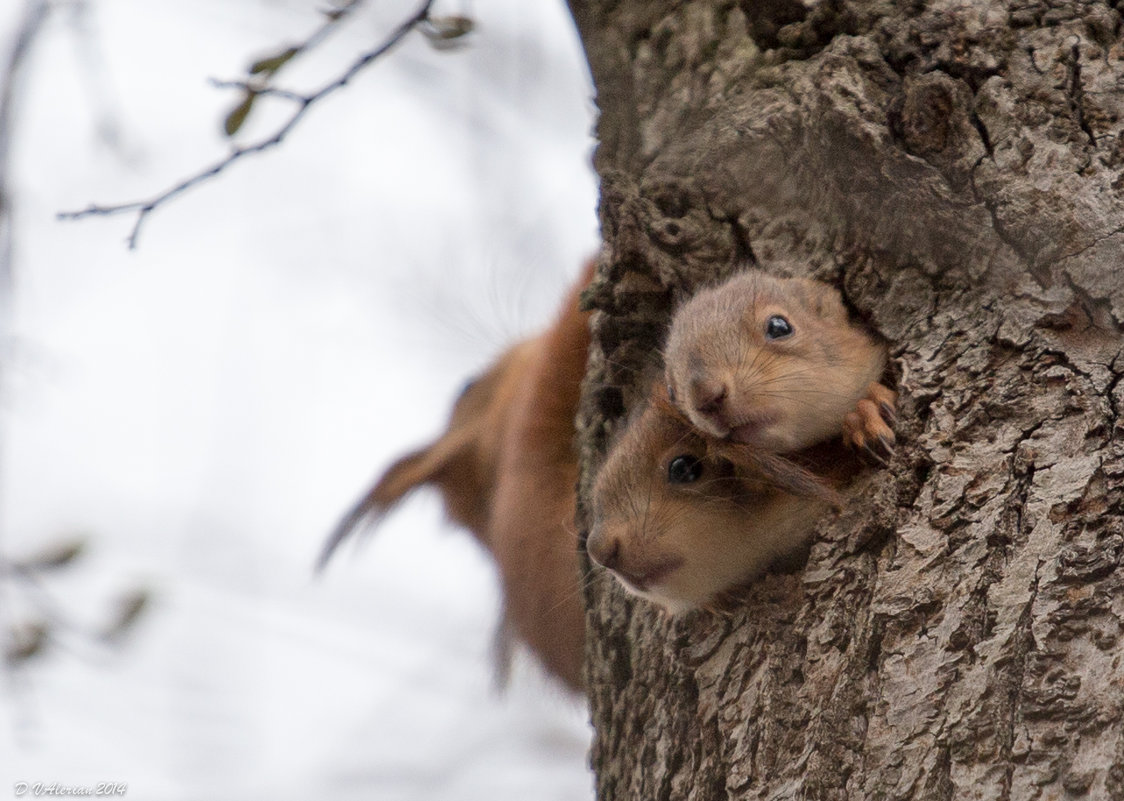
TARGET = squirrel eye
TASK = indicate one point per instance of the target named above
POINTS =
(684, 469)
(670, 392)
(777, 327)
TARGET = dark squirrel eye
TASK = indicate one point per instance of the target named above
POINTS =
(777, 327)
(684, 469)
(670, 392)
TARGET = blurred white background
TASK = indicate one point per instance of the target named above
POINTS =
(203, 409)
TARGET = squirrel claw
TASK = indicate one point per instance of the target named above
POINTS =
(879, 450)
(872, 455)
(883, 450)
(867, 429)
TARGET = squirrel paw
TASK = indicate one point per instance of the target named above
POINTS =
(868, 428)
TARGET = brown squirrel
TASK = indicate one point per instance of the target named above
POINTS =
(680, 517)
(507, 470)
(694, 499)
(774, 363)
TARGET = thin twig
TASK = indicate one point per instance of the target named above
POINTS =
(34, 15)
(303, 102)
(250, 87)
(340, 13)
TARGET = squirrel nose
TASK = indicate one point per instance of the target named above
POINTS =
(709, 396)
(605, 551)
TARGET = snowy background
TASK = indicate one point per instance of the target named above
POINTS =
(203, 409)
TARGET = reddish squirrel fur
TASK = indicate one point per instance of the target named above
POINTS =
(695, 498)
(507, 471)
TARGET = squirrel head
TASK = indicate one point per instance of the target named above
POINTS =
(769, 362)
(679, 518)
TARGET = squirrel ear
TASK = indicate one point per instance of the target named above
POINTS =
(823, 299)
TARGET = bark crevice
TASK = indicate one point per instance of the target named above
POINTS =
(955, 170)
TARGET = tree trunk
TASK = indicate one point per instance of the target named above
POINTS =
(955, 168)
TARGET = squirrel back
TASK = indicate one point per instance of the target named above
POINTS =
(506, 469)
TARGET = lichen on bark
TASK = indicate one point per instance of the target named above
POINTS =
(955, 168)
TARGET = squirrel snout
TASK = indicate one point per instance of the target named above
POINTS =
(605, 551)
(708, 405)
(709, 396)
(639, 571)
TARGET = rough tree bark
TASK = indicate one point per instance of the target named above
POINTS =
(955, 168)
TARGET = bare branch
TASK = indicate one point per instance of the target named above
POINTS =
(143, 208)
(253, 88)
(30, 25)
(34, 15)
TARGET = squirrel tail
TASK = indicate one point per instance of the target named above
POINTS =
(404, 475)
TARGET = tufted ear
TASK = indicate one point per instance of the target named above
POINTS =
(824, 300)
